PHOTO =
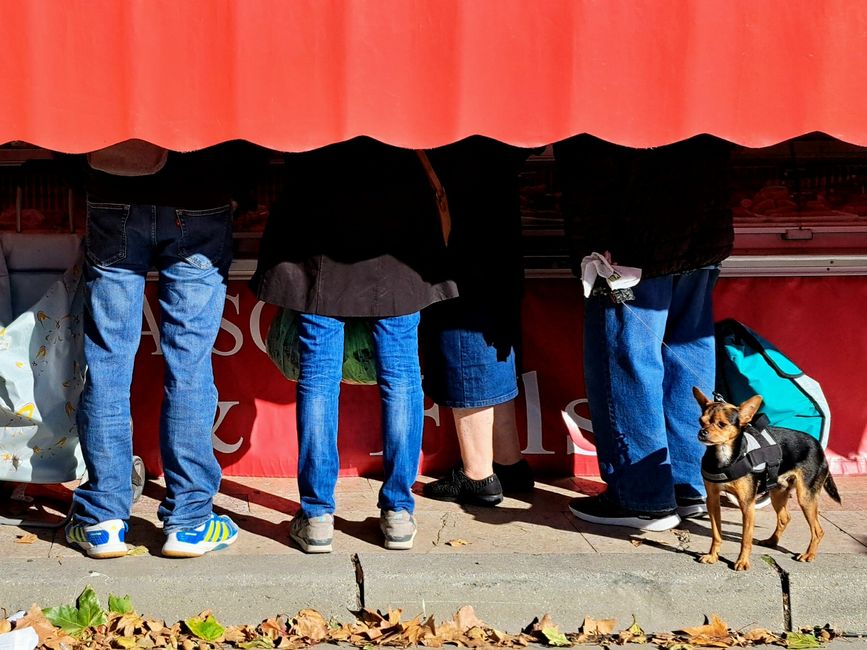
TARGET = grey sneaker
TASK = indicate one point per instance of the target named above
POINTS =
(312, 534)
(398, 528)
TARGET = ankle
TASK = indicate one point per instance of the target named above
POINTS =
(478, 472)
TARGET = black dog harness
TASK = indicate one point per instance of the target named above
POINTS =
(760, 454)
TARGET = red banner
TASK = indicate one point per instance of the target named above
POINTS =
(818, 322)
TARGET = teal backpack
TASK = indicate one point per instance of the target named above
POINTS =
(748, 365)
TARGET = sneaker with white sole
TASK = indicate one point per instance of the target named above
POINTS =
(688, 508)
(218, 532)
(312, 534)
(602, 509)
(399, 529)
(103, 540)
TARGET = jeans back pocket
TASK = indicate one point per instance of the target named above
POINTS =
(204, 236)
(105, 236)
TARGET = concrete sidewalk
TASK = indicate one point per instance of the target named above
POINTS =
(512, 563)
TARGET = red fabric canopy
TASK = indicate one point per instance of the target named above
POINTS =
(81, 74)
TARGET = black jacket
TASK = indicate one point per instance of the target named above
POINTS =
(356, 233)
(664, 210)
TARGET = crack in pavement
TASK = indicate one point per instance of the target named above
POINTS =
(444, 521)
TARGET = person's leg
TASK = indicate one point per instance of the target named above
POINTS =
(399, 377)
(471, 368)
(624, 377)
(320, 345)
(507, 448)
(474, 427)
(192, 294)
(689, 361)
(118, 249)
(193, 266)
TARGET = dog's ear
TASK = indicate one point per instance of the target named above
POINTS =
(748, 409)
(700, 397)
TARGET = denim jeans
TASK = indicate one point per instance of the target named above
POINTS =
(191, 250)
(645, 419)
(399, 377)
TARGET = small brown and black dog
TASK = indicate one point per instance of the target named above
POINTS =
(802, 468)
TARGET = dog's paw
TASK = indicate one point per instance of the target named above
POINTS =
(709, 558)
(743, 564)
(806, 557)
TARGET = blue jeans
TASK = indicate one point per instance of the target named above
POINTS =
(645, 419)
(191, 249)
(399, 377)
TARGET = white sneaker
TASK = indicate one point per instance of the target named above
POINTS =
(218, 532)
(102, 540)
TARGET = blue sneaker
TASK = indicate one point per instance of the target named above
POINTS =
(219, 531)
(102, 540)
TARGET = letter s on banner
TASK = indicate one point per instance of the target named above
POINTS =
(574, 423)
(231, 329)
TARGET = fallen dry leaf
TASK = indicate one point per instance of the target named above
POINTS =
(466, 618)
(457, 542)
(137, 551)
(603, 626)
(761, 635)
(26, 538)
(310, 624)
(715, 628)
(635, 542)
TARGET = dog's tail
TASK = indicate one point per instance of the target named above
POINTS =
(831, 488)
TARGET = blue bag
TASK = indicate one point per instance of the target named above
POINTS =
(748, 365)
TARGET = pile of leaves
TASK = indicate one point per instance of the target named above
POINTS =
(86, 625)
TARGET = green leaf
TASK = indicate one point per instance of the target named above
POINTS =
(90, 612)
(75, 620)
(258, 642)
(126, 642)
(801, 640)
(556, 637)
(207, 629)
(635, 628)
(120, 605)
(65, 617)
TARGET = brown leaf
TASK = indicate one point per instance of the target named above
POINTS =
(187, 644)
(466, 618)
(457, 542)
(48, 634)
(635, 542)
(235, 634)
(393, 616)
(717, 628)
(602, 626)
(761, 635)
(26, 538)
(310, 624)
(448, 631)
(272, 628)
(154, 626)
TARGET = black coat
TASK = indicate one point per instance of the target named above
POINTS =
(664, 210)
(356, 233)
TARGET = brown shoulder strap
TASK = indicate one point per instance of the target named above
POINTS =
(440, 193)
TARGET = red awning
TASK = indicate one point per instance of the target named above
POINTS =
(81, 74)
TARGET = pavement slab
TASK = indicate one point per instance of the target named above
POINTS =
(527, 557)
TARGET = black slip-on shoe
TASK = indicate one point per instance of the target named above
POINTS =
(517, 477)
(460, 488)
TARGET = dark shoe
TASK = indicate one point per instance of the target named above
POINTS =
(517, 477)
(601, 509)
(458, 487)
(691, 507)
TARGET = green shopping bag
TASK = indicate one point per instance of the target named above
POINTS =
(359, 363)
